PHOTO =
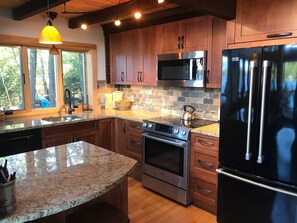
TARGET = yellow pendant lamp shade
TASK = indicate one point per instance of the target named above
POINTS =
(50, 35)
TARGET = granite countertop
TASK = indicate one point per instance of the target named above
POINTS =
(58, 178)
(209, 130)
(30, 122)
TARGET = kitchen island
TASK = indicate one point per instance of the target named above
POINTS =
(57, 180)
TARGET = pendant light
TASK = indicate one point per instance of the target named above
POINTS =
(49, 34)
(54, 50)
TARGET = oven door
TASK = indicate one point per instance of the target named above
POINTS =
(166, 159)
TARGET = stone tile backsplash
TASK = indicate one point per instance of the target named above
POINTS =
(167, 99)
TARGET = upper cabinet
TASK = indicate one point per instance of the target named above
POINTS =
(186, 35)
(133, 56)
(258, 20)
(117, 58)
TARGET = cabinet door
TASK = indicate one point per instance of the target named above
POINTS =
(151, 45)
(118, 58)
(106, 134)
(255, 20)
(215, 48)
(171, 37)
(194, 33)
(121, 136)
(134, 55)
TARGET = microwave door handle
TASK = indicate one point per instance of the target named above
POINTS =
(266, 64)
(191, 70)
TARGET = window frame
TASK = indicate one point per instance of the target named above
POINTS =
(90, 52)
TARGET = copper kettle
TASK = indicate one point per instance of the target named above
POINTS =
(187, 114)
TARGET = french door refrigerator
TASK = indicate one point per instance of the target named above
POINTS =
(257, 176)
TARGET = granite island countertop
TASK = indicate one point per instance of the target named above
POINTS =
(55, 179)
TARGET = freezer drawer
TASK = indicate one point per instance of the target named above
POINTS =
(247, 201)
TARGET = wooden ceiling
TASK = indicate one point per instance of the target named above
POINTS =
(105, 11)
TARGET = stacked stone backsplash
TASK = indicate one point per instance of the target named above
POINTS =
(167, 99)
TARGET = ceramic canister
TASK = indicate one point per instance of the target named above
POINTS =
(7, 198)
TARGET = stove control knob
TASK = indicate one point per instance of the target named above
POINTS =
(183, 132)
(150, 125)
(175, 131)
(144, 124)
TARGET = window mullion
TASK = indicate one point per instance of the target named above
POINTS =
(25, 71)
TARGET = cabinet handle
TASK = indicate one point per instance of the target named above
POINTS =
(134, 142)
(206, 81)
(205, 143)
(205, 164)
(182, 42)
(124, 127)
(138, 77)
(24, 78)
(122, 76)
(178, 42)
(204, 191)
(277, 35)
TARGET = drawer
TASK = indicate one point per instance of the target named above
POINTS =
(134, 127)
(204, 189)
(135, 156)
(135, 144)
(203, 162)
(205, 142)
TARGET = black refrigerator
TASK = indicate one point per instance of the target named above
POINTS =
(257, 174)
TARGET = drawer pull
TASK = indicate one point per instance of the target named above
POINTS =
(205, 164)
(134, 142)
(135, 126)
(206, 143)
(276, 35)
(204, 191)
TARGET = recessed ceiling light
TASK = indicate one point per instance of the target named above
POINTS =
(160, 1)
(84, 26)
(117, 22)
(137, 15)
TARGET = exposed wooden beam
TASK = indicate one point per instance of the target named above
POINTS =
(34, 7)
(157, 18)
(122, 10)
(225, 9)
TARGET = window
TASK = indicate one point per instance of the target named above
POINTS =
(74, 75)
(42, 76)
(11, 79)
(32, 80)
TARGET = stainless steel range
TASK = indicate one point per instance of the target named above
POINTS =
(166, 156)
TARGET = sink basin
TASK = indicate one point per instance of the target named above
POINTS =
(62, 118)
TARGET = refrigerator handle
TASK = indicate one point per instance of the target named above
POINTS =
(221, 171)
(253, 65)
(266, 64)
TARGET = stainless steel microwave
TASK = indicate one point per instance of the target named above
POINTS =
(186, 69)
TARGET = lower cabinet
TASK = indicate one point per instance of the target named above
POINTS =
(62, 134)
(106, 134)
(129, 143)
(203, 176)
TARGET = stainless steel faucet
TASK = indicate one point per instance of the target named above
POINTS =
(67, 97)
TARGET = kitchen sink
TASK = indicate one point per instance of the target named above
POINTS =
(62, 118)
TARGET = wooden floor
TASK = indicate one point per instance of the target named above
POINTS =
(146, 206)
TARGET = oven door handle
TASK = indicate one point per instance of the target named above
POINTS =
(167, 140)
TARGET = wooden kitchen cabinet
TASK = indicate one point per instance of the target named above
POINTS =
(262, 19)
(186, 35)
(62, 134)
(129, 143)
(203, 176)
(134, 62)
(106, 134)
(117, 58)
